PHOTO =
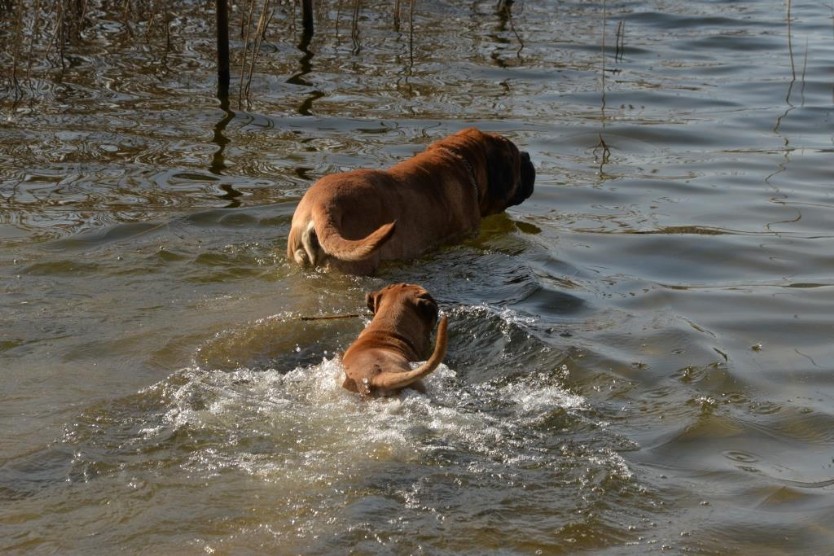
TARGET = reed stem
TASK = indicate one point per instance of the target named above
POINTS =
(223, 72)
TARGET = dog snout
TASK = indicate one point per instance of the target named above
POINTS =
(528, 179)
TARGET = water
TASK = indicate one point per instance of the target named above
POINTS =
(640, 354)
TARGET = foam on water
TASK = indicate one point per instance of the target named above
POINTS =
(306, 411)
(304, 462)
(301, 426)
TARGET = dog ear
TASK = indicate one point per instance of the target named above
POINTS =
(500, 166)
(372, 299)
(427, 308)
(502, 170)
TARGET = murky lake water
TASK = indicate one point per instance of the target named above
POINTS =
(640, 355)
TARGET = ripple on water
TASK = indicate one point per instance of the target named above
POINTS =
(305, 462)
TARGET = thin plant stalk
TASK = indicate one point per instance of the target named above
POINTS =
(223, 71)
(307, 15)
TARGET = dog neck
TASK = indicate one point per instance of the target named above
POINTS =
(473, 180)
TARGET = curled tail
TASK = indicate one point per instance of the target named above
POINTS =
(321, 238)
(331, 240)
(395, 381)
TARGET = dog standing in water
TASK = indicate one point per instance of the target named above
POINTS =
(378, 362)
(352, 221)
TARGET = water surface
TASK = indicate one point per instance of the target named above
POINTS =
(640, 354)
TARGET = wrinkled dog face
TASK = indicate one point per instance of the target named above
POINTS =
(510, 174)
(528, 178)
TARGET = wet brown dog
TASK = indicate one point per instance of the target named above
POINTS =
(353, 220)
(378, 362)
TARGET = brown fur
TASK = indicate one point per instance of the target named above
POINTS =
(352, 221)
(378, 362)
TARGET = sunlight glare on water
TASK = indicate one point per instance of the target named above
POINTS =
(300, 434)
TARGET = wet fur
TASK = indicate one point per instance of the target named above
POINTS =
(352, 221)
(378, 363)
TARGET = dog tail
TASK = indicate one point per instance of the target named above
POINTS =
(396, 381)
(334, 244)
(309, 246)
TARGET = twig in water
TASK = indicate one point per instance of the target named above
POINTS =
(790, 41)
(604, 23)
(804, 67)
(332, 317)
(260, 32)
(504, 10)
(618, 54)
(411, 35)
(354, 27)
(244, 32)
(606, 152)
(15, 84)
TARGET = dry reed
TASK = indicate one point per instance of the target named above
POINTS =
(45, 37)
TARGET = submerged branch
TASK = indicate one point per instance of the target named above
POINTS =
(332, 317)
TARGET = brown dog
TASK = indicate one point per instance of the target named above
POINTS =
(377, 363)
(353, 220)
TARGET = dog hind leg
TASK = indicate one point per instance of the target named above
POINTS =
(309, 252)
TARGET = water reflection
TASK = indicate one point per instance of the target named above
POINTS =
(306, 67)
(218, 159)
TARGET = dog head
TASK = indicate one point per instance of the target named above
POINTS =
(404, 297)
(505, 175)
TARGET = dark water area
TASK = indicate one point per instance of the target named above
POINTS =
(639, 355)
